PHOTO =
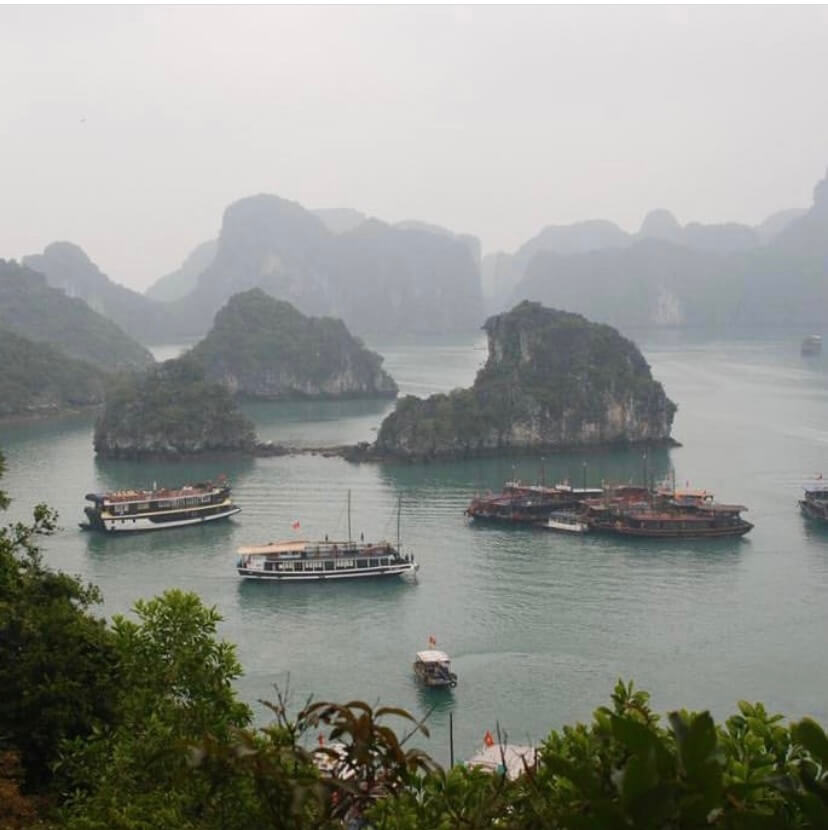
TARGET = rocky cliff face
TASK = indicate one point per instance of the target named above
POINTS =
(170, 410)
(552, 380)
(264, 348)
(378, 278)
(33, 309)
(67, 267)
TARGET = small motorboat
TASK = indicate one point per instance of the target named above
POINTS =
(566, 521)
(433, 668)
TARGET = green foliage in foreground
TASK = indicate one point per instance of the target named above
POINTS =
(136, 725)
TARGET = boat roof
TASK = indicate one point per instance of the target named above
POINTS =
(300, 545)
(433, 655)
(198, 488)
(289, 546)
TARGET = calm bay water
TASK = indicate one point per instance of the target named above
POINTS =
(539, 625)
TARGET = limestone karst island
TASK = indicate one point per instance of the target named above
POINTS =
(553, 380)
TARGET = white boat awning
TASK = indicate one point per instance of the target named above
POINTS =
(433, 656)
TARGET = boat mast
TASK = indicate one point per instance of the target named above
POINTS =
(399, 510)
(349, 518)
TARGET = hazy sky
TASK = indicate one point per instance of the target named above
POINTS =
(129, 129)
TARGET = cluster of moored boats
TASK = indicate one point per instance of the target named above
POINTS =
(624, 510)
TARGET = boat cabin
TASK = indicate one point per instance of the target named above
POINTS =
(433, 668)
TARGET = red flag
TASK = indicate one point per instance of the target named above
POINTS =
(295, 525)
(488, 739)
(432, 640)
(321, 739)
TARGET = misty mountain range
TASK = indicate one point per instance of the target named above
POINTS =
(416, 278)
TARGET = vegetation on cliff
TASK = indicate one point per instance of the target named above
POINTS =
(170, 409)
(552, 379)
(31, 308)
(264, 348)
(36, 379)
(136, 724)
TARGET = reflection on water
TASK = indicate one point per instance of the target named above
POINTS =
(120, 473)
(267, 598)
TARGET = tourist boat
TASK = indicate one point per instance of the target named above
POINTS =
(680, 514)
(815, 503)
(520, 503)
(811, 345)
(297, 561)
(130, 510)
(567, 521)
(301, 560)
(433, 668)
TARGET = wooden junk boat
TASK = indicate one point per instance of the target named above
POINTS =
(667, 514)
(130, 510)
(520, 503)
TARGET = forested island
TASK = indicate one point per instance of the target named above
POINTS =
(552, 380)
(36, 379)
(260, 347)
(172, 410)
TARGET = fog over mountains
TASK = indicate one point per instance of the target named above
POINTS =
(415, 278)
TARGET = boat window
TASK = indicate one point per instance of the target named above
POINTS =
(298, 566)
(373, 562)
(362, 563)
(384, 560)
(329, 566)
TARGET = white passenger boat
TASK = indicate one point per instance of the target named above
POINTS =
(565, 521)
(129, 510)
(433, 668)
(296, 561)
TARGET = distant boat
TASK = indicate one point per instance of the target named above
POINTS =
(520, 503)
(815, 503)
(433, 668)
(811, 345)
(667, 514)
(131, 510)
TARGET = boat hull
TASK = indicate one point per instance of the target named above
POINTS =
(812, 512)
(676, 533)
(400, 569)
(135, 524)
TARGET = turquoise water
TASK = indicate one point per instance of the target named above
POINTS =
(539, 625)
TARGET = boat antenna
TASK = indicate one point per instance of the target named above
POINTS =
(584, 488)
(349, 518)
(399, 510)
